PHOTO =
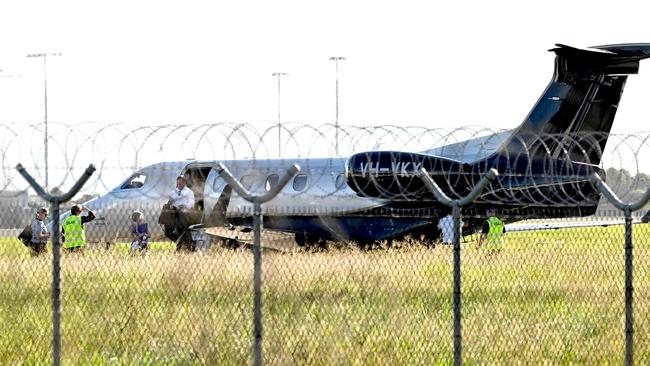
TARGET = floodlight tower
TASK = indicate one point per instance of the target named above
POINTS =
(336, 60)
(279, 75)
(44, 56)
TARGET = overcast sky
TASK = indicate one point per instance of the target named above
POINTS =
(437, 64)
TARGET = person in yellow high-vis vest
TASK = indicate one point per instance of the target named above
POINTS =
(74, 237)
(493, 232)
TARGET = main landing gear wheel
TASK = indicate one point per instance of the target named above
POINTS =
(305, 240)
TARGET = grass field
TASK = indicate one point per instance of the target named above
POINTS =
(552, 297)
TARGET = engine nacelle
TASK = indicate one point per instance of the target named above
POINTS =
(395, 174)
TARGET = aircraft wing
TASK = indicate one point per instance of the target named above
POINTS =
(563, 224)
(271, 239)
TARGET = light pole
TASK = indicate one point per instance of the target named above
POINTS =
(336, 60)
(279, 75)
(44, 56)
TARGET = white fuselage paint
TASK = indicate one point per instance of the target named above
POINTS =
(325, 192)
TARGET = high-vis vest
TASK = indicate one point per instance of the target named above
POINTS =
(495, 233)
(74, 232)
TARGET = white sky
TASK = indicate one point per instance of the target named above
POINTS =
(437, 64)
(423, 63)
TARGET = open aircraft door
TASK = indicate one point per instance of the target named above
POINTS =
(216, 197)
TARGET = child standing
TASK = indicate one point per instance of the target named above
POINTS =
(139, 233)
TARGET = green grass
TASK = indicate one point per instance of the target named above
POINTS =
(550, 297)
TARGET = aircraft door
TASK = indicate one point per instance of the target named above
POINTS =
(216, 198)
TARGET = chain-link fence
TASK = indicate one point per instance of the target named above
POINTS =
(354, 263)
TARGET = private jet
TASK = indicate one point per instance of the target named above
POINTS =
(544, 168)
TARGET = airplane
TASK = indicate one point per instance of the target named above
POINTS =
(646, 218)
(544, 169)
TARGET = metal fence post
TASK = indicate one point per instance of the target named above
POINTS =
(257, 245)
(55, 201)
(627, 209)
(456, 206)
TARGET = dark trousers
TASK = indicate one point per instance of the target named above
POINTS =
(175, 224)
(37, 248)
(184, 238)
(180, 221)
(74, 249)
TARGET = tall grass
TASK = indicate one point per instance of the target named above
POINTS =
(548, 297)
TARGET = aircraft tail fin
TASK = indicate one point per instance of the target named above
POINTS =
(580, 102)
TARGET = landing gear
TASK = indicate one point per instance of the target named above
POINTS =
(185, 242)
(182, 240)
(231, 243)
(306, 240)
(301, 239)
(374, 244)
(170, 232)
(175, 226)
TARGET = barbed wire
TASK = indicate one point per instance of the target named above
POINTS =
(118, 149)
(549, 171)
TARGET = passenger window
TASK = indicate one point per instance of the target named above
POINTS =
(272, 181)
(247, 181)
(300, 182)
(134, 182)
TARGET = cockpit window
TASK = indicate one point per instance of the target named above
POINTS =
(135, 181)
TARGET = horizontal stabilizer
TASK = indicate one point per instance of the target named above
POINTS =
(609, 60)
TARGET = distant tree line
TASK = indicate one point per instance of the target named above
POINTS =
(36, 201)
(627, 186)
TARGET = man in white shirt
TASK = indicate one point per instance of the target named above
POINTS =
(182, 197)
(446, 226)
(182, 200)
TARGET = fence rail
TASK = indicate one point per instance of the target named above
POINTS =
(571, 289)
